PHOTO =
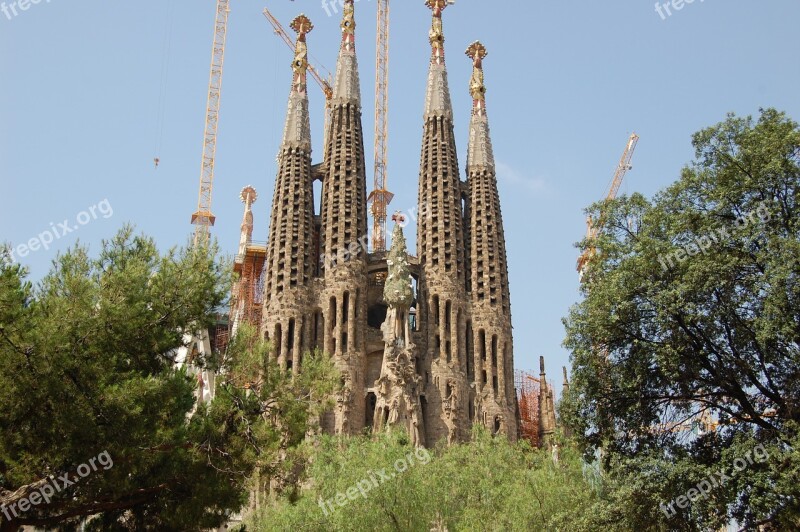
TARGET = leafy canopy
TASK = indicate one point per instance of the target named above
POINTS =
(691, 315)
(87, 366)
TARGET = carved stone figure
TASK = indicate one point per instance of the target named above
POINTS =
(451, 433)
(343, 404)
(415, 432)
(394, 412)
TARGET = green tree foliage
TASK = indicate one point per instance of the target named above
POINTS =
(272, 408)
(691, 316)
(87, 367)
(486, 484)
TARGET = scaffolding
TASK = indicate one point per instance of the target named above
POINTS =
(220, 333)
(248, 290)
(528, 389)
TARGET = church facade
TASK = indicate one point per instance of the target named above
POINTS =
(423, 341)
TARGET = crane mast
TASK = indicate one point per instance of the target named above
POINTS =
(203, 218)
(593, 229)
(380, 197)
(623, 167)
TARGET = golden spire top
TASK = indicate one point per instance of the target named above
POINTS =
(436, 34)
(248, 195)
(348, 26)
(347, 87)
(297, 130)
(480, 155)
(477, 52)
(301, 25)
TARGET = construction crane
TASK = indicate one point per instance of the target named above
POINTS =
(380, 197)
(324, 84)
(593, 229)
(203, 219)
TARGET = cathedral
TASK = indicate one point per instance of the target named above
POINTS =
(423, 342)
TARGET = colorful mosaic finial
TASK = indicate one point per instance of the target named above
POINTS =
(477, 89)
(436, 34)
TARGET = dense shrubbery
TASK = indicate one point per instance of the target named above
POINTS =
(486, 484)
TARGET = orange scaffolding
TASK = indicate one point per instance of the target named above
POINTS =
(219, 333)
(248, 290)
(528, 388)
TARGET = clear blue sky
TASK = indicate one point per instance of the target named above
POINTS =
(567, 83)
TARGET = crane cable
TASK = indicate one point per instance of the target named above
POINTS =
(162, 92)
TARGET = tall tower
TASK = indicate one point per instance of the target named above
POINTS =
(247, 300)
(440, 246)
(290, 257)
(491, 306)
(344, 234)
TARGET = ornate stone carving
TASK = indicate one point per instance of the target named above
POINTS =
(398, 402)
(343, 403)
(297, 131)
(436, 33)
(347, 88)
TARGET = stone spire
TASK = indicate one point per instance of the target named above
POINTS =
(547, 415)
(343, 233)
(248, 197)
(246, 301)
(290, 259)
(347, 87)
(440, 232)
(488, 266)
(297, 131)
(344, 194)
(437, 98)
(564, 393)
(479, 153)
(441, 249)
(486, 262)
